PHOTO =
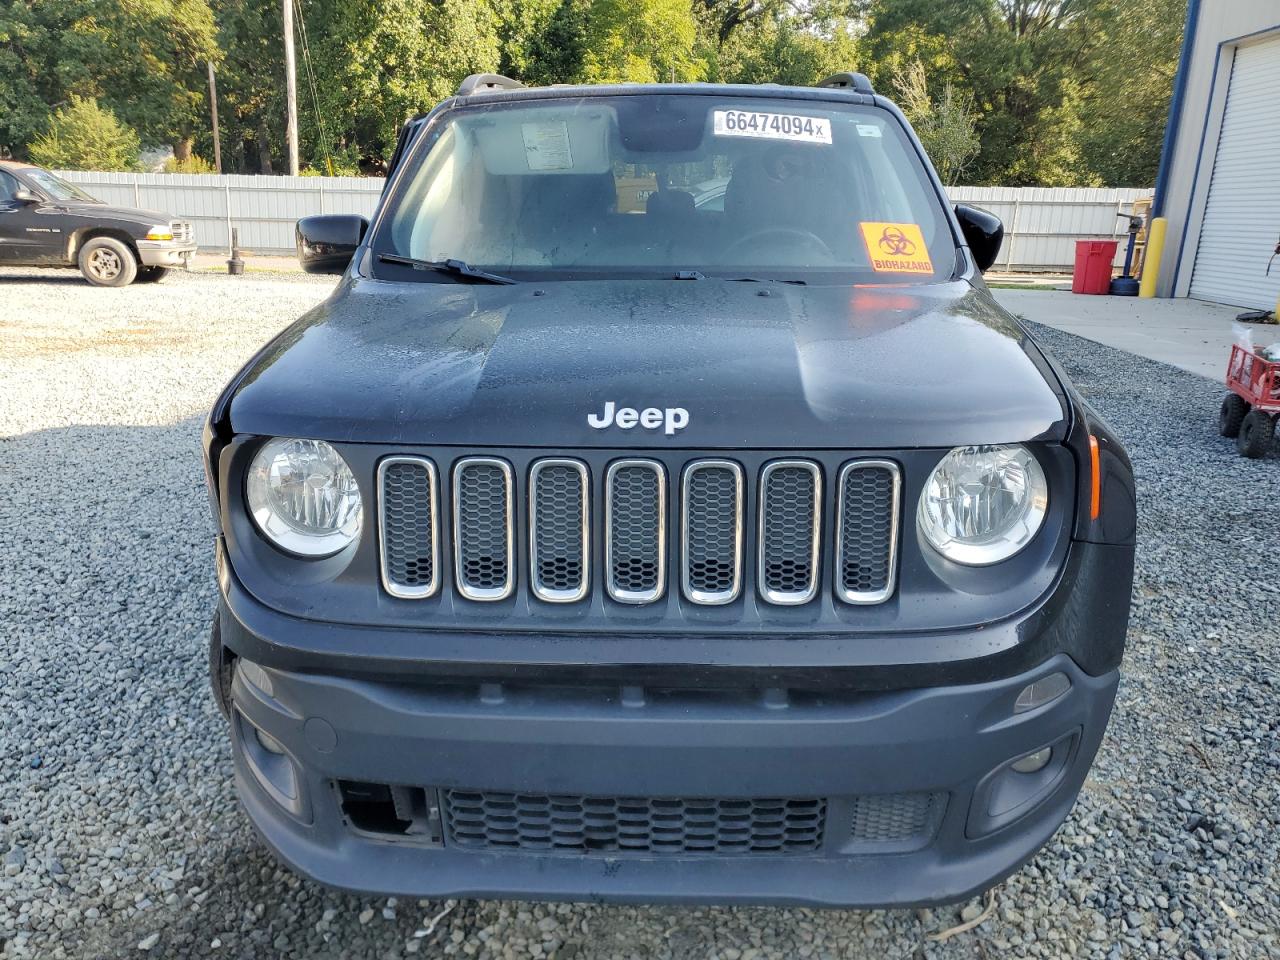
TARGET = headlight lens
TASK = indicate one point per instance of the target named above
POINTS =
(160, 233)
(303, 497)
(982, 505)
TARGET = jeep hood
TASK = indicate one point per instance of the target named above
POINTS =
(755, 365)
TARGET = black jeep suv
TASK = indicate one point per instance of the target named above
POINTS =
(590, 544)
(47, 222)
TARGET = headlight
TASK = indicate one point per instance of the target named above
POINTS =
(982, 505)
(160, 233)
(303, 497)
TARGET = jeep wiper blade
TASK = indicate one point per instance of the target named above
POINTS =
(457, 268)
(800, 283)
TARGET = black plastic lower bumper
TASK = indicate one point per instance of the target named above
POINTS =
(954, 743)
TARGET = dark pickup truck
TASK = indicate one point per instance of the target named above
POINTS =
(47, 222)
(585, 549)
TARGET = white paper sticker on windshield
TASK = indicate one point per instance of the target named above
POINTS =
(868, 130)
(771, 126)
(546, 145)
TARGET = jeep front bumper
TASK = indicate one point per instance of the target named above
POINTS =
(604, 793)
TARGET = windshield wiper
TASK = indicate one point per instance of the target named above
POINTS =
(696, 275)
(457, 268)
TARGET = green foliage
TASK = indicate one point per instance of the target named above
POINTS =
(1071, 92)
(143, 59)
(85, 136)
(193, 164)
(947, 127)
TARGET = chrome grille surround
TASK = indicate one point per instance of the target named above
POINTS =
(693, 561)
(570, 527)
(881, 539)
(617, 526)
(468, 564)
(400, 533)
(788, 557)
(181, 230)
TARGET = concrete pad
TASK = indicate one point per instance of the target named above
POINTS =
(1193, 335)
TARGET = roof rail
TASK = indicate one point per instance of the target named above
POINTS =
(847, 81)
(484, 82)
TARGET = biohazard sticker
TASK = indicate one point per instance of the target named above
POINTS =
(896, 248)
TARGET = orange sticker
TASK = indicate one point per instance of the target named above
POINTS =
(896, 248)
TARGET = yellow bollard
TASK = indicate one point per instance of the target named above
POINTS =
(1151, 257)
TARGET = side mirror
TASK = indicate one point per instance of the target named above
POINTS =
(326, 243)
(25, 196)
(983, 232)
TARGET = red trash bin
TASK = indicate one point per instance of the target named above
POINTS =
(1093, 266)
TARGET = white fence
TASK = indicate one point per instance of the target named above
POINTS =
(1041, 223)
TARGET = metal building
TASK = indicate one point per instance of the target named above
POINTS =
(1219, 183)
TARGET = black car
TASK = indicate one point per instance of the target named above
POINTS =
(750, 554)
(47, 222)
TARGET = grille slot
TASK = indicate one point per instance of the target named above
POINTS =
(649, 826)
(790, 499)
(635, 530)
(484, 559)
(408, 527)
(558, 530)
(896, 822)
(711, 554)
(867, 530)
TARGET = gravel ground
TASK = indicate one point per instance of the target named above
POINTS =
(119, 831)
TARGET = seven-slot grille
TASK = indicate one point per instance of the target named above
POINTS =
(642, 825)
(710, 513)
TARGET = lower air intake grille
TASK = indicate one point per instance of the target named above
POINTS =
(408, 526)
(900, 821)
(868, 530)
(482, 528)
(612, 825)
(635, 526)
(789, 497)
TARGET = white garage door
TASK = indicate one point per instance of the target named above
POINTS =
(1242, 218)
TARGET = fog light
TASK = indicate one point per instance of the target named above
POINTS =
(1031, 763)
(272, 745)
(1043, 691)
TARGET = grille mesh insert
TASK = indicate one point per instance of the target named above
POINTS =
(612, 825)
(787, 528)
(896, 818)
(408, 507)
(558, 548)
(484, 564)
(712, 520)
(866, 530)
(635, 531)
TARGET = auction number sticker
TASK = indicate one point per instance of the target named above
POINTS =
(771, 126)
(896, 248)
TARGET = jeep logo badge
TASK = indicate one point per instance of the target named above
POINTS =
(651, 418)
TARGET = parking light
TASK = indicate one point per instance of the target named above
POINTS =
(1045, 690)
(159, 233)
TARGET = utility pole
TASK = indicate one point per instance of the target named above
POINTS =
(291, 88)
(213, 107)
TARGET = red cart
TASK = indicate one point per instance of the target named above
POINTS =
(1249, 411)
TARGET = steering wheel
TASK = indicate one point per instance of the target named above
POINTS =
(794, 234)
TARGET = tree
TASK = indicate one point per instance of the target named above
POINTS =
(779, 46)
(85, 136)
(142, 59)
(947, 128)
(640, 41)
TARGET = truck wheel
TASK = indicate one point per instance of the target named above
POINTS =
(1231, 415)
(156, 274)
(1254, 439)
(106, 262)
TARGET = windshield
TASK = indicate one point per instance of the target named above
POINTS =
(57, 188)
(659, 185)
